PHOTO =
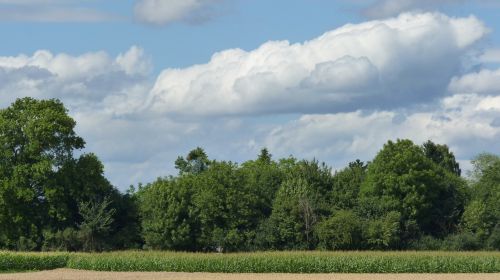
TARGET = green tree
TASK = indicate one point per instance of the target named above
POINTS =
(96, 224)
(225, 209)
(262, 177)
(41, 182)
(166, 212)
(37, 138)
(480, 163)
(402, 178)
(341, 231)
(196, 162)
(478, 219)
(442, 156)
(294, 215)
(346, 185)
(383, 232)
(482, 214)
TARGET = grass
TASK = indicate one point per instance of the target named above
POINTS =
(266, 262)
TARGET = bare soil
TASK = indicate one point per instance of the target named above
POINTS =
(63, 274)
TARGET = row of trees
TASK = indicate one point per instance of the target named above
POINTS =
(407, 197)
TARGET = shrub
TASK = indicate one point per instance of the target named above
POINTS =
(66, 240)
(493, 242)
(464, 241)
(426, 243)
(341, 231)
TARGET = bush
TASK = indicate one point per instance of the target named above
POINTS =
(384, 232)
(67, 240)
(26, 244)
(464, 241)
(341, 231)
(493, 242)
(426, 243)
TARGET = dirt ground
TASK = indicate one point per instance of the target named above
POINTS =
(63, 274)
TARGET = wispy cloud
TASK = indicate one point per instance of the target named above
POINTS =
(387, 8)
(163, 12)
(50, 11)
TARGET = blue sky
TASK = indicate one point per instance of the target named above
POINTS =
(148, 80)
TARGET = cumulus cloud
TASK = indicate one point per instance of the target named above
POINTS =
(466, 122)
(490, 56)
(485, 81)
(377, 64)
(101, 93)
(88, 79)
(162, 12)
(357, 85)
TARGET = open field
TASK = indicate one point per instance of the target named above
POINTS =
(88, 275)
(264, 262)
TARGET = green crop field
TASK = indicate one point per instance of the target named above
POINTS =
(266, 262)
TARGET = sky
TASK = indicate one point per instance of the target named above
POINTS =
(150, 80)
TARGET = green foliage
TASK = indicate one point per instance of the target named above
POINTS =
(493, 241)
(409, 196)
(482, 215)
(478, 220)
(480, 163)
(97, 220)
(402, 178)
(41, 183)
(36, 139)
(68, 239)
(196, 162)
(384, 232)
(342, 231)
(165, 208)
(442, 156)
(346, 185)
(426, 243)
(294, 215)
(464, 241)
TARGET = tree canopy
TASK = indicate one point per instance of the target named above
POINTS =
(408, 197)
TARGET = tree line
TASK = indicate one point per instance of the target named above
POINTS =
(408, 197)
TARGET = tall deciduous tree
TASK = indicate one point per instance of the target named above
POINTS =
(442, 156)
(37, 139)
(42, 184)
(402, 178)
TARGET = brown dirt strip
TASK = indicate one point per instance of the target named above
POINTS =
(70, 274)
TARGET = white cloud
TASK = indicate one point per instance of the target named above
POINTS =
(490, 56)
(50, 11)
(365, 77)
(100, 92)
(387, 8)
(483, 82)
(90, 79)
(378, 64)
(468, 123)
(162, 12)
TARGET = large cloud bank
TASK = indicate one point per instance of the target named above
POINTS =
(337, 97)
(378, 64)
